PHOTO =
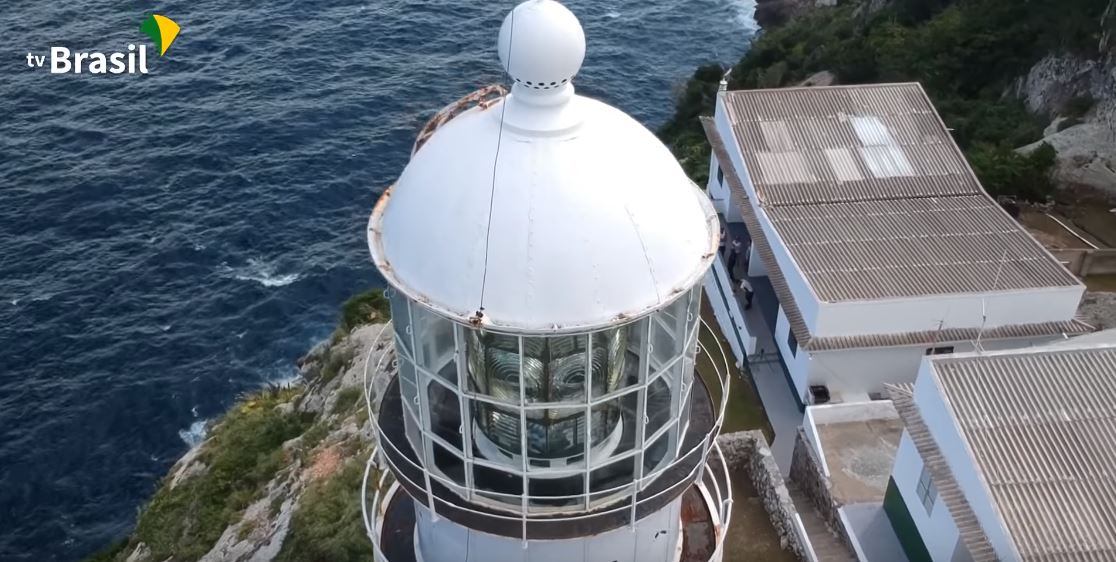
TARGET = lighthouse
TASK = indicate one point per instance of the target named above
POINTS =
(544, 254)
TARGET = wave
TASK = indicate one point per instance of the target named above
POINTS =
(746, 14)
(195, 434)
(259, 271)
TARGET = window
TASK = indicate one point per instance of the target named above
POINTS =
(944, 350)
(792, 343)
(927, 491)
(720, 177)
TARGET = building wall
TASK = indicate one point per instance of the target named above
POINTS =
(935, 412)
(798, 363)
(948, 311)
(861, 371)
(655, 539)
(937, 529)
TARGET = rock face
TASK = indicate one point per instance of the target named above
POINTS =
(1086, 144)
(311, 485)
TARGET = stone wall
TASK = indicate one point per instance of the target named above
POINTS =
(1087, 261)
(807, 473)
(747, 453)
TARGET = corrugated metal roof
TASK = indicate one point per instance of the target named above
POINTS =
(893, 142)
(1042, 430)
(794, 315)
(968, 526)
(874, 200)
(911, 247)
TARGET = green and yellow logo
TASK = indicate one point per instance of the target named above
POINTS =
(162, 31)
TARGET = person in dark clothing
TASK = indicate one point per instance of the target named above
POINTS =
(734, 256)
(746, 286)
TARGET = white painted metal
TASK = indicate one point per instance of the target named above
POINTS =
(550, 211)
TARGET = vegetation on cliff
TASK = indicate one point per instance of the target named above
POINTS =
(965, 53)
(274, 480)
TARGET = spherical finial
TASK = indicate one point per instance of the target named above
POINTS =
(542, 45)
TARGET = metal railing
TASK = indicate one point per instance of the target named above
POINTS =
(391, 480)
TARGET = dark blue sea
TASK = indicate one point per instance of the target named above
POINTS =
(173, 240)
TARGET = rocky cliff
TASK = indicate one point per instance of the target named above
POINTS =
(1078, 93)
(275, 478)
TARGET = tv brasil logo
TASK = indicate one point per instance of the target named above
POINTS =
(161, 29)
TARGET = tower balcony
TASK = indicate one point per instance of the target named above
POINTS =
(623, 477)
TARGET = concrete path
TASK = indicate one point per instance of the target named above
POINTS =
(778, 401)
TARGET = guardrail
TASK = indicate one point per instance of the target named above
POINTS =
(392, 479)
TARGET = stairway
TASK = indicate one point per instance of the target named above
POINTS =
(827, 547)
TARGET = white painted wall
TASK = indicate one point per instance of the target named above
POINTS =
(859, 371)
(445, 541)
(935, 412)
(755, 263)
(726, 309)
(949, 311)
(797, 364)
(937, 528)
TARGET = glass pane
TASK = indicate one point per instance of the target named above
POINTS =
(614, 429)
(668, 332)
(445, 413)
(659, 396)
(408, 385)
(554, 368)
(654, 455)
(451, 465)
(616, 358)
(493, 363)
(616, 474)
(434, 339)
(496, 435)
(554, 435)
(555, 487)
(499, 481)
(400, 318)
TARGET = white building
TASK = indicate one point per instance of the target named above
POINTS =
(1008, 456)
(871, 242)
(544, 253)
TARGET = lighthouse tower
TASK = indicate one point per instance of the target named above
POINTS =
(545, 254)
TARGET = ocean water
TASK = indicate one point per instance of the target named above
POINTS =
(171, 241)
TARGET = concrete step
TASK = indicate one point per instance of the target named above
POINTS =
(827, 546)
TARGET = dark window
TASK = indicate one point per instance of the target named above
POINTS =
(944, 350)
(720, 176)
(792, 343)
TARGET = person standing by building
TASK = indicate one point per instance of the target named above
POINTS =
(746, 286)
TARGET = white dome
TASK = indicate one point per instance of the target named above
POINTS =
(549, 44)
(584, 220)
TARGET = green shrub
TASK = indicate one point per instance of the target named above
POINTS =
(347, 399)
(327, 525)
(1002, 171)
(242, 455)
(366, 308)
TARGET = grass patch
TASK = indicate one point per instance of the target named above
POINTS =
(366, 308)
(243, 454)
(334, 363)
(327, 525)
(744, 410)
(346, 400)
